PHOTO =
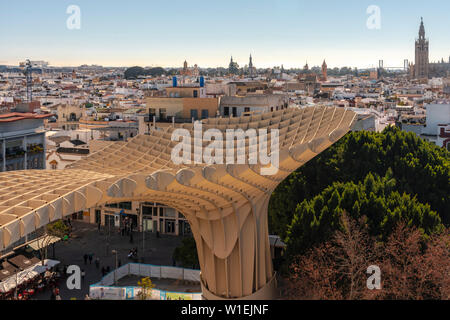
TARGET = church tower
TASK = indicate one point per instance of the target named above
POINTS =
(421, 68)
(306, 67)
(250, 67)
(324, 71)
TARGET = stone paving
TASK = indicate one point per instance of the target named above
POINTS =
(86, 239)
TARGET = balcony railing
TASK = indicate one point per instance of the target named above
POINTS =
(14, 154)
(35, 149)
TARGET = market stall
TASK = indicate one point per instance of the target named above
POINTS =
(24, 283)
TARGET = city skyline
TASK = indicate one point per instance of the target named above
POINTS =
(113, 34)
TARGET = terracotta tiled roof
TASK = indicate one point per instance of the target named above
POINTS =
(16, 116)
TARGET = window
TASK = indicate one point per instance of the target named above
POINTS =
(205, 114)
(195, 94)
(109, 221)
(170, 226)
(226, 111)
(54, 166)
(146, 211)
(125, 205)
(98, 216)
(194, 114)
(162, 113)
(170, 213)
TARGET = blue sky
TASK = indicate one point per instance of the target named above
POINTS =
(207, 33)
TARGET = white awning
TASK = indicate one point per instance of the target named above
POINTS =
(10, 283)
(43, 242)
(48, 264)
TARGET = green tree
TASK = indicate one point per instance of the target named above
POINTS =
(133, 72)
(413, 165)
(51, 231)
(383, 208)
(186, 254)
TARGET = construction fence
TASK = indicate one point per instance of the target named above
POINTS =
(104, 290)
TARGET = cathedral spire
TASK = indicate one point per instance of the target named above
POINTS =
(422, 29)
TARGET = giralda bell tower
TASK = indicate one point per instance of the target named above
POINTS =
(421, 68)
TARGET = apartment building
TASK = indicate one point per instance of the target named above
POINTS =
(22, 141)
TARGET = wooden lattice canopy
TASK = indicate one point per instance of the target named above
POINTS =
(225, 204)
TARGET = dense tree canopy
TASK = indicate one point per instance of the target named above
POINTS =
(375, 199)
(135, 72)
(419, 168)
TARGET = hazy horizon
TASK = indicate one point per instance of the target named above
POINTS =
(157, 33)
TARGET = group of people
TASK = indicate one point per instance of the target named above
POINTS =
(88, 256)
(55, 294)
(105, 270)
(26, 290)
(133, 254)
(127, 228)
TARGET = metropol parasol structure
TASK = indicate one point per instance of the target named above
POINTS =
(225, 204)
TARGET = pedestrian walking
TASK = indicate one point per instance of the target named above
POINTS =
(85, 257)
(90, 258)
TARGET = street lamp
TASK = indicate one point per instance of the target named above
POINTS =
(15, 291)
(115, 280)
(141, 215)
(107, 234)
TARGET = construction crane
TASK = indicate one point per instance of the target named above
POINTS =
(28, 73)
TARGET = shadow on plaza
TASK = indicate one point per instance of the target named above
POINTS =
(87, 239)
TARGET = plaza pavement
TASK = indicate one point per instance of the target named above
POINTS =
(86, 239)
